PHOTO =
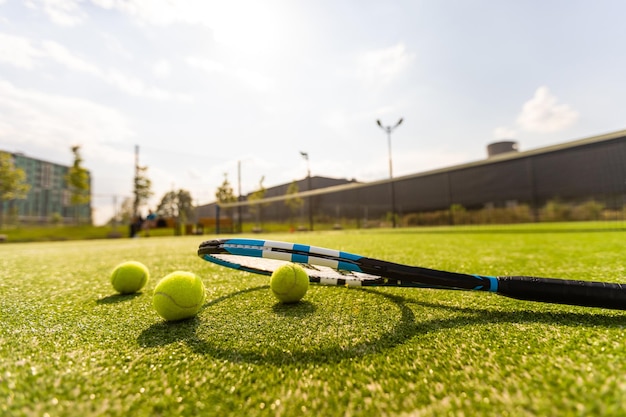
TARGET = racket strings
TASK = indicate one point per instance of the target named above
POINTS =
(268, 250)
(317, 273)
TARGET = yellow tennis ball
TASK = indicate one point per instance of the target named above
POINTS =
(289, 283)
(178, 296)
(129, 277)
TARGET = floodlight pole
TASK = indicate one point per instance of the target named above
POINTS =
(390, 129)
(136, 200)
(305, 155)
(239, 197)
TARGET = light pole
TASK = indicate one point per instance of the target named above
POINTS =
(390, 129)
(239, 197)
(305, 155)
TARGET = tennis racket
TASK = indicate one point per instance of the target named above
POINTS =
(332, 267)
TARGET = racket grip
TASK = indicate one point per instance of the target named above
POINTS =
(561, 291)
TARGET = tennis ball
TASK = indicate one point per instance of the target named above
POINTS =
(178, 296)
(129, 277)
(289, 283)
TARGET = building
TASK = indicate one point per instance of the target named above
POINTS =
(49, 199)
(587, 169)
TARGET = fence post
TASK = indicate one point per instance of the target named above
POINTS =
(217, 219)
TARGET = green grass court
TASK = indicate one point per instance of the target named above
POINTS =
(70, 346)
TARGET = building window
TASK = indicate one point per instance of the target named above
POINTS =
(46, 175)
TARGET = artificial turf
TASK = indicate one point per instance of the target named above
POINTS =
(70, 346)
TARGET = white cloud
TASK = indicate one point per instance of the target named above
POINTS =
(167, 12)
(64, 57)
(56, 122)
(160, 12)
(381, 66)
(251, 26)
(205, 64)
(18, 51)
(255, 80)
(544, 114)
(336, 119)
(136, 87)
(504, 132)
(162, 69)
(249, 78)
(128, 84)
(63, 12)
(21, 53)
(117, 46)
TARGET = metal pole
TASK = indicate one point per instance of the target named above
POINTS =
(115, 213)
(136, 202)
(217, 219)
(389, 147)
(305, 155)
(390, 129)
(239, 227)
(391, 184)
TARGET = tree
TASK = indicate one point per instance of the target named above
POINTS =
(293, 201)
(13, 184)
(225, 194)
(142, 188)
(185, 205)
(255, 206)
(177, 204)
(77, 179)
(168, 207)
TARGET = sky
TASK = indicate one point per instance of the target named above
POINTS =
(205, 87)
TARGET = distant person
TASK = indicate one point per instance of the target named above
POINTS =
(150, 222)
(135, 225)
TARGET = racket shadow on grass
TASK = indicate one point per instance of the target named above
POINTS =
(488, 317)
(197, 334)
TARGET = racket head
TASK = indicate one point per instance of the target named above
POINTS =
(323, 266)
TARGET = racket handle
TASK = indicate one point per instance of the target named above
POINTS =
(561, 291)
